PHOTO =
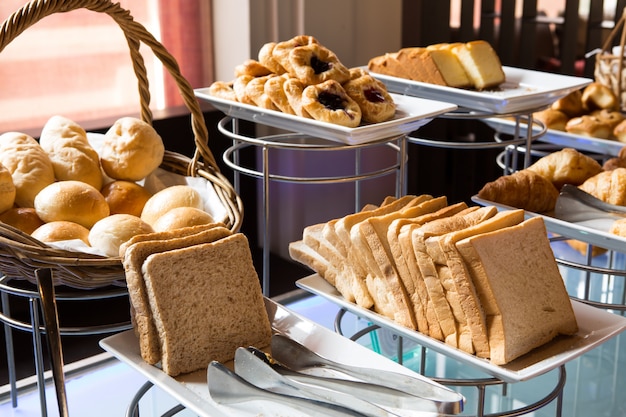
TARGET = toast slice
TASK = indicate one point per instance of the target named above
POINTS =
(133, 259)
(206, 300)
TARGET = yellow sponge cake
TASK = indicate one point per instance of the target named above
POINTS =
(481, 63)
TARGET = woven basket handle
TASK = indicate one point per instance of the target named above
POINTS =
(135, 34)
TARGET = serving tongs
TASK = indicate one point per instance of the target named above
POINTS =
(299, 358)
(260, 369)
(576, 205)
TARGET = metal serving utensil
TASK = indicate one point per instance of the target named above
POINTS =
(388, 398)
(226, 387)
(51, 320)
(298, 357)
(576, 205)
(256, 371)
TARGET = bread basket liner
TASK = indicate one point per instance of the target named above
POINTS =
(20, 253)
(610, 69)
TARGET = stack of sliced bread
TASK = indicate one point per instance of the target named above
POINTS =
(195, 296)
(483, 281)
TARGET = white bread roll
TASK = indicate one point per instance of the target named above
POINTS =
(125, 197)
(23, 218)
(61, 230)
(73, 158)
(7, 189)
(169, 198)
(110, 232)
(72, 201)
(132, 149)
(180, 217)
(29, 165)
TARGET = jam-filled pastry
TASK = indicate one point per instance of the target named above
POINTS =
(314, 64)
(372, 97)
(282, 49)
(293, 89)
(267, 59)
(275, 91)
(252, 67)
(255, 89)
(239, 86)
(329, 102)
(223, 89)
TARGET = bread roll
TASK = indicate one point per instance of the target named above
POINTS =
(620, 131)
(61, 230)
(125, 197)
(571, 104)
(132, 149)
(22, 218)
(598, 96)
(110, 232)
(73, 158)
(608, 186)
(567, 166)
(29, 165)
(180, 217)
(169, 198)
(587, 125)
(73, 201)
(7, 189)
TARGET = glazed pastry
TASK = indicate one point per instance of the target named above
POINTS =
(590, 126)
(552, 119)
(223, 89)
(275, 91)
(611, 118)
(571, 104)
(282, 49)
(266, 58)
(255, 89)
(608, 186)
(523, 189)
(328, 102)
(372, 97)
(598, 96)
(252, 67)
(567, 166)
(314, 64)
(239, 87)
(293, 90)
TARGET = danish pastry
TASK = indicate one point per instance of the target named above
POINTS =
(223, 89)
(267, 59)
(255, 89)
(372, 97)
(275, 91)
(252, 67)
(281, 50)
(587, 125)
(239, 87)
(610, 117)
(329, 102)
(293, 89)
(314, 64)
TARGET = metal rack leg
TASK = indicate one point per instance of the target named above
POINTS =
(266, 222)
(8, 336)
(39, 368)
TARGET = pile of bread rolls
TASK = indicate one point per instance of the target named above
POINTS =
(61, 188)
(593, 111)
(301, 77)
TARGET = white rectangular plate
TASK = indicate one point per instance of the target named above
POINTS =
(558, 137)
(411, 114)
(593, 231)
(523, 90)
(191, 390)
(595, 327)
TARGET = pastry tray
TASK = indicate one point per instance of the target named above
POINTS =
(558, 137)
(594, 231)
(523, 90)
(191, 390)
(596, 326)
(411, 114)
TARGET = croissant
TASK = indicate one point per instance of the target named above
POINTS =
(608, 186)
(523, 189)
(567, 166)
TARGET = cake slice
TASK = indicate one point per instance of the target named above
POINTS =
(449, 65)
(481, 63)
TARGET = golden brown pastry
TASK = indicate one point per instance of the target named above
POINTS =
(523, 189)
(293, 90)
(252, 67)
(608, 186)
(610, 117)
(567, 166)
(223, 89)
(617, 161)
(267, 59)
(7, 189)
(281, 50)
(314, 64)
(275, 91)
(571, 104)
(583, 248)
(372, 97)
(239, 87)
(598, 96)
(328, 102)
(619, 227)
(587, 125)
(552, 118)
(22, 218)
(255, 90)
(619, 132)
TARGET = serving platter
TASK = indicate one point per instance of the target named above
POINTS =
(411, 114)
(523, 90)
(191, 390)
(596, 326)
(558, 137)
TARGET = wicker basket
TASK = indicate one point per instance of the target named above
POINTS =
(20, 254)
(610, 69)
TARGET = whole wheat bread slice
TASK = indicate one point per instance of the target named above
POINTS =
(133, 259)
(206, 301)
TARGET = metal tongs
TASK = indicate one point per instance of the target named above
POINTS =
(297, 357)
(576, 205)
